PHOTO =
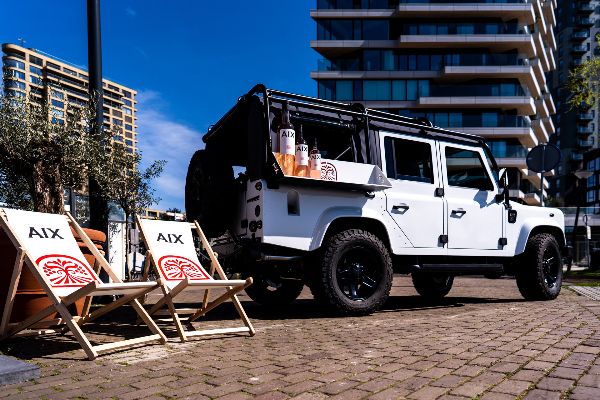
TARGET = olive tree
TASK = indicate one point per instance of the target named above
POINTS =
(43, 150)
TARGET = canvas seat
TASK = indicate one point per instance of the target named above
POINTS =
(45, 244)
(172, 254)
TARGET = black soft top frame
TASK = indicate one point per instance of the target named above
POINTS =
(254, 113)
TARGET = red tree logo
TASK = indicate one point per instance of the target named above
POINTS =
(176, 268)
(328, 171)
(65, 271)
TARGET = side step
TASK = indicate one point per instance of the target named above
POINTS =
(459, 269)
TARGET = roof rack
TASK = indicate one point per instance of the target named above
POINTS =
(356, 109)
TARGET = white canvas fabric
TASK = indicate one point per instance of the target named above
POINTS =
(172, 246)
(47, 238)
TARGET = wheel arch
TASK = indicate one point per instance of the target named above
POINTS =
(530, 229)
(331, 223)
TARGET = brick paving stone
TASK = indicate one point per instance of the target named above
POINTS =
(449, 381)
(512, 386)
(469, 370)
(567, 373)
(427, 393)
(497, 396)
(470, 389)
(529, 375)
(505, 367)
(590, 381)
(585, 393)
(538, 394)
(556, 384)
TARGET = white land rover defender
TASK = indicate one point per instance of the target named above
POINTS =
(396, 194)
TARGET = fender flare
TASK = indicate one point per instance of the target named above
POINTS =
(537, 224)
(332, 214)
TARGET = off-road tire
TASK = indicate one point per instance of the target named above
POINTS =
(338, 250)
(539, 271)
(431, 286)
(266, 294)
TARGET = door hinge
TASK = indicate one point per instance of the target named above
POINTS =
(439, 192)
(443, 239)
(502, 241)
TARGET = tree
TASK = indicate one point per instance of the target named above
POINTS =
(124, 183)
(44, 150)
(583, 83)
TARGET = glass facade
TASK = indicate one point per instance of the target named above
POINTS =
(388, 4)
(407, 60)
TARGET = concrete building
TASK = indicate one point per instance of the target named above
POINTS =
(576, 129)
(478, 66)
(46, 78)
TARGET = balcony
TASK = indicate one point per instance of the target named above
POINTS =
(579, 49)
(586, 22)
(585, 116)
(584, 131)
(585, 144)
(580, 36)
(576, 156)
(576, 62)
(585, 8)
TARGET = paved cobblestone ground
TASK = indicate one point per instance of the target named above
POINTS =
(483, 342)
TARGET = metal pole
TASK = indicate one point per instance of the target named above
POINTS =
(98, 207)
(542, 190)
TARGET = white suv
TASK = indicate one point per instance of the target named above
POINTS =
(396, 195)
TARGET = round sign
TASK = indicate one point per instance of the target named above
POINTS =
(543, 157)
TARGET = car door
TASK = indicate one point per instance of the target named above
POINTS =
(411, 165)
(474, 218)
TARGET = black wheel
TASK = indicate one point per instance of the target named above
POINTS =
(539, 275)
(356, 273)
(432, 286)
(494, 275)
(274, 291)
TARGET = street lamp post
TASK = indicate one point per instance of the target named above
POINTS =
(98, 207)
(580, 175)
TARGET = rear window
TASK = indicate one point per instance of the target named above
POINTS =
(408, 160)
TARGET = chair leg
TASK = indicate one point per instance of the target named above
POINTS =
(76, 330)
(219, 300)
(148, 320)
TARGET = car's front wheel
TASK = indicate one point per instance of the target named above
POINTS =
(356, 272)
(539, 272)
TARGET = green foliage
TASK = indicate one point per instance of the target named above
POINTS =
(583, 83)
(40, 155)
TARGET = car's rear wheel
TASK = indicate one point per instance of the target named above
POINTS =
(356, 272)
(539, 273)
(432, 286)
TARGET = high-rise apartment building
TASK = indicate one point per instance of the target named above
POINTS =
(46, 78)
(576, 128)
(477, 66)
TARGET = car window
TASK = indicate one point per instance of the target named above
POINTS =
(466, 169)
(408, 160)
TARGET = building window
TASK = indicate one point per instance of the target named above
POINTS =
(377, 90)
(58, 113)
(57, 94)
(127, 111)
(128, 127)
(35, 60)
(16, 74)
(127, 102)
(58, 104)
(344, 90)
(35, 80)
(14, 64)
(52, 65)
(15, 84)
(117, 122)
(117, 113)
(70, 71)
(35, 70)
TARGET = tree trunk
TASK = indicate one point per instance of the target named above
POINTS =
(48, 191)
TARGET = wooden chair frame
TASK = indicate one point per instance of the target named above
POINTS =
(222, 283)
(67, 322)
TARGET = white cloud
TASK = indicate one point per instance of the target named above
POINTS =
(130, 11)
(161, 138)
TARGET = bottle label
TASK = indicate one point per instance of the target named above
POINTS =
(302, 154)
(287, 141)
(315, 161)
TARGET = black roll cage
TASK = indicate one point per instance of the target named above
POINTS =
(423, 126)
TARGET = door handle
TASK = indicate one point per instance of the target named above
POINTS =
(401, 206)
(459, 211)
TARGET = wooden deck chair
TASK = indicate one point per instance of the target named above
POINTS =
(173, 256)
(46, 245)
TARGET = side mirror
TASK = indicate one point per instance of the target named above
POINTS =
(503, 194)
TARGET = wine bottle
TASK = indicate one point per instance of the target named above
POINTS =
(315, 161)
(301, 156)
(287, 142)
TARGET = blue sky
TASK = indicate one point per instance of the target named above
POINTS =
(189, 61)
